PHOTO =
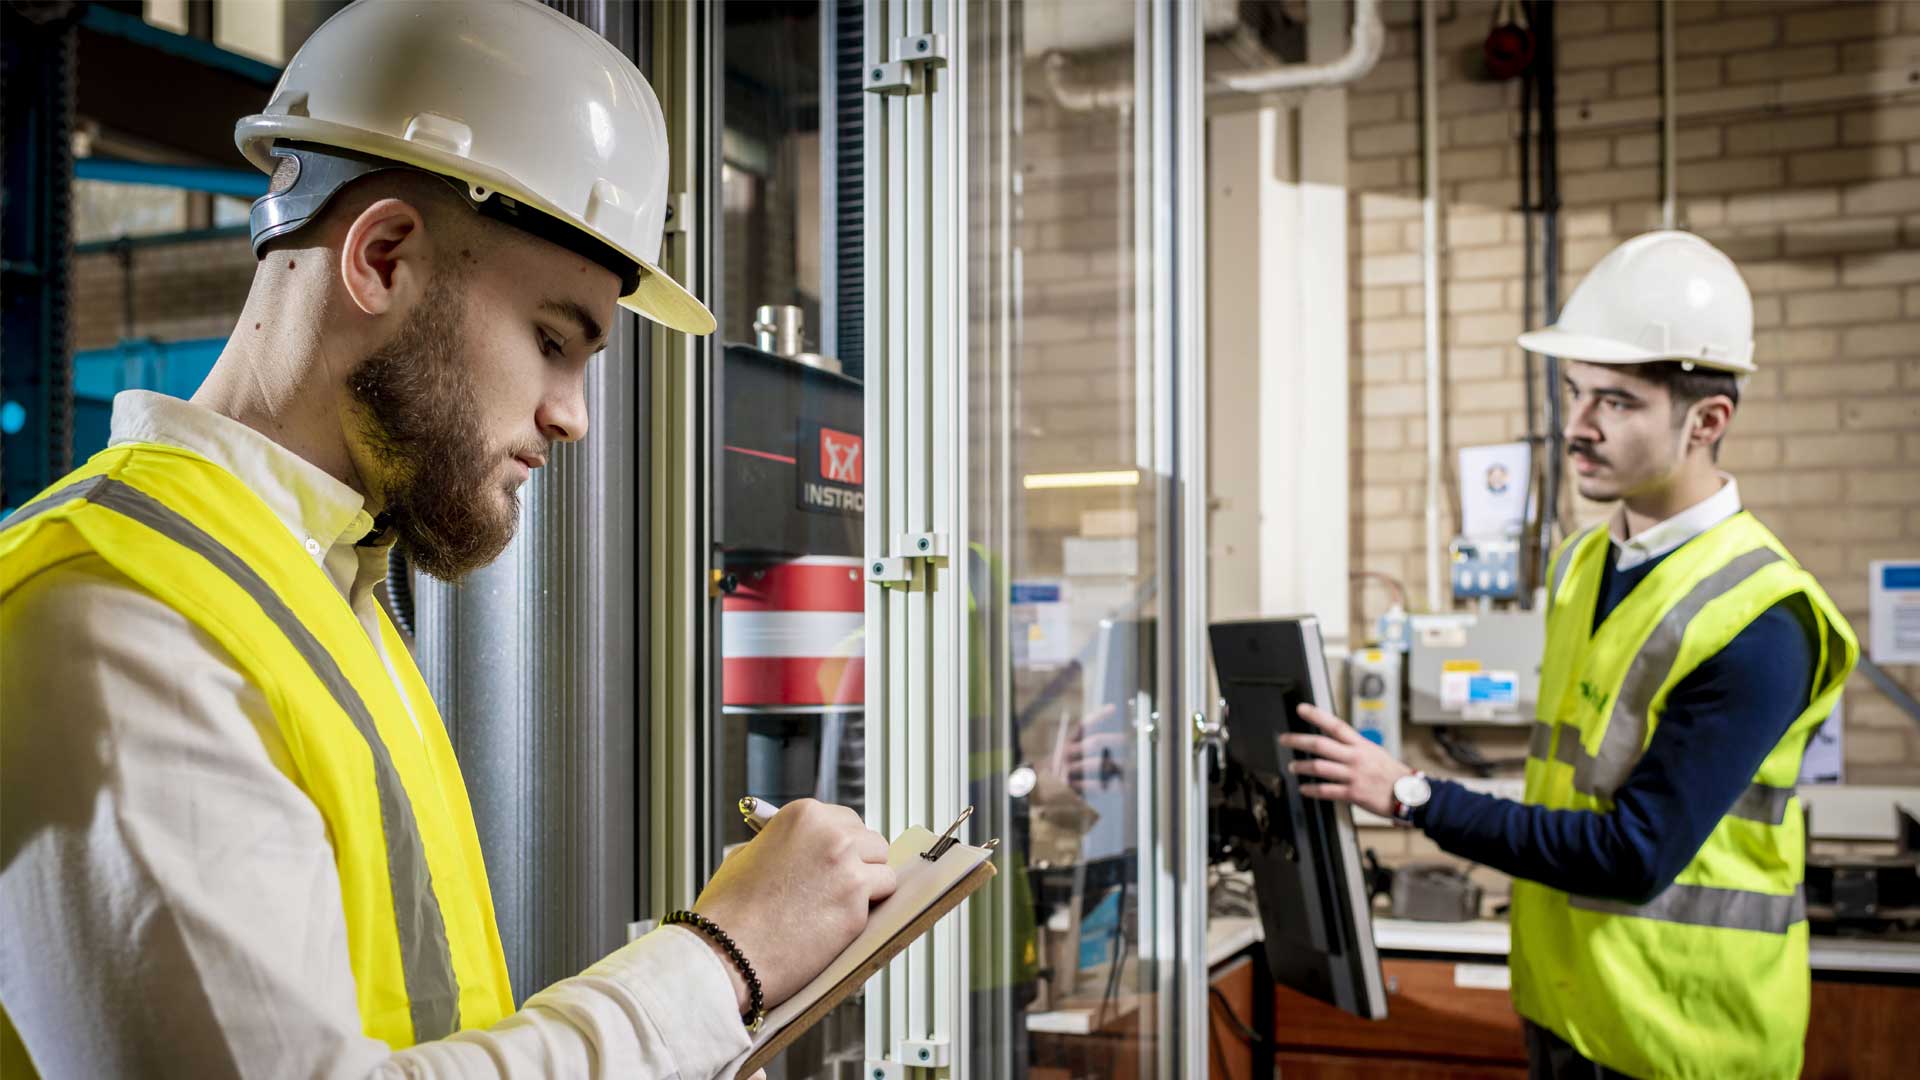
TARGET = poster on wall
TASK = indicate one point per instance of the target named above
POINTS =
(1040, 623)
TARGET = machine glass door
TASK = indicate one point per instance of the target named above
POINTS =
(789, 446)
(1070, 944)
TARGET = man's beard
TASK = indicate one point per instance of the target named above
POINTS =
(420, 417)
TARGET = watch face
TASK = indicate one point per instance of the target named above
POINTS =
(1413, 790)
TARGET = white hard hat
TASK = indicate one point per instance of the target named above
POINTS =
(1664, 295)
(536, 119)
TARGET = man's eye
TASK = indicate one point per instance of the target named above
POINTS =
(548, 346)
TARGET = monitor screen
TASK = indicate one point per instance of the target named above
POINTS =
(1305, 861)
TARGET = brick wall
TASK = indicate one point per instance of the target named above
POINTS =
(1820, 206)
(180, 292)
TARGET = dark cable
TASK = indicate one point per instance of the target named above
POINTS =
(1461, 751)
(400, 589)
(1247, 1034)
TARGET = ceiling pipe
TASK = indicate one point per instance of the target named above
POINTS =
(1369, 41)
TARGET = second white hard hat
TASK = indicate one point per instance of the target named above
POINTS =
(538, 120)
(1665, 295)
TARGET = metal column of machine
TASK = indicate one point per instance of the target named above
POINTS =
(535, 661)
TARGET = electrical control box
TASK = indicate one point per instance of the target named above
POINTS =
(1374, 701)
(1479, 668)
(1488, 568)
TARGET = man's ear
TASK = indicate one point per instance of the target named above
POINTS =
(385, 256)
(1708, 421)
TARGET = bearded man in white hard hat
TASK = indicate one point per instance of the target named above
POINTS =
(235, 840)
(1659, 927)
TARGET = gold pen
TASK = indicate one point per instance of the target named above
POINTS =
(757, 812)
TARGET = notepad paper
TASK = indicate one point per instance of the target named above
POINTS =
(920, 886)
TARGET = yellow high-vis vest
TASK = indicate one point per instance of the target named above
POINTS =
(1710, 978)
(425, 948)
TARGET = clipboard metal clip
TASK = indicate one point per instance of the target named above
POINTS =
(947, 839)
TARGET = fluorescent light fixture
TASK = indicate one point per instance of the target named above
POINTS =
(1110, 478)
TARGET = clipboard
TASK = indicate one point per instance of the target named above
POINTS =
(889, 932)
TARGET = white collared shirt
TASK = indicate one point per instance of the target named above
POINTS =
(1657, 540)
(170, 897)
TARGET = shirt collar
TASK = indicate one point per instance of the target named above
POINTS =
(311, 503)
(1657, 540)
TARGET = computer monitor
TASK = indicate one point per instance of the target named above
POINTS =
(1305, 861)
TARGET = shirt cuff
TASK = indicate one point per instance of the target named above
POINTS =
(687, 993)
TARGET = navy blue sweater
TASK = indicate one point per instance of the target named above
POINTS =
(1720, 723)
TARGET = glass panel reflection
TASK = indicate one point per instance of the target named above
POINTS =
(1064, 527)
(789, 445)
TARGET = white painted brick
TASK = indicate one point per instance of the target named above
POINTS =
(1389, 269)
(1391, 400)
(1377, 173)
(1789, 416)
(1380, 205)
(1787, 489)
(1883, 196)
(1593, 84)
(1484, 193)
(1768, 312)
(1891, 339)
(1776, 134)
(1727, 36)
(1613, 186)
(1377, 303)
(1606, 50)
(1782, 205)
(1479, 397)
(1879, 54)
(1477, 164)
(1633, 14)
(1840, 379)
(1475, 296)
(1843, 307)
(1480, 263)
(1475, 228)
(1636, 80)
(1580, 20)
(1484, 129)
(1750, 451)
(1374, 108)
(1881, 268)
(1465, 364)
(1795, 345)
(1377, 334)
(1840, 234)
(1795, 274)
(1884, 413)
(1731, 174)
(1588, 221)
(1696, 11)
(1886, 124)
(1585, 154)
(1772, 65)
(1842, 449)
(1494, 328)
(1381, 140)
(1846, 166)
(1840, 22)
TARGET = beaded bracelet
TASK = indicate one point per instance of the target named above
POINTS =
(756, 1002)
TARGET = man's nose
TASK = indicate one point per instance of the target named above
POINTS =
(563, 415)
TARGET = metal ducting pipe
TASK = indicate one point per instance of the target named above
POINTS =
(1369, 40)
(536, 662)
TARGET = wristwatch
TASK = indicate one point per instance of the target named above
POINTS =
(1410, 793)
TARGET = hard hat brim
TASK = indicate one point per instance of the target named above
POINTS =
(657, 296)
(1553, 341)
(1591, 349)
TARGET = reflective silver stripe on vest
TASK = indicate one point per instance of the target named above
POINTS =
(1763, 803)
(1565, 560)
(426, 961)
(1540, 743)
(1626, 730)
(1703, 905)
